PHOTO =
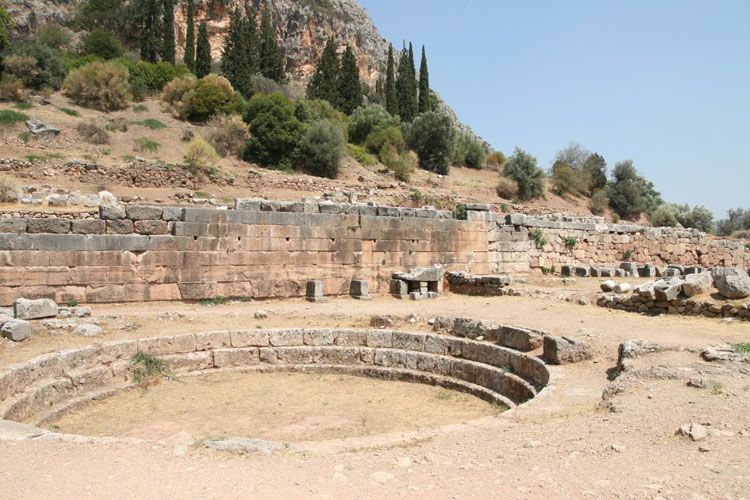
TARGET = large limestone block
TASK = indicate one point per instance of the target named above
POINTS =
(563, 350)
(35, 309)
(734, 286)
(697, 284)
(16, 330)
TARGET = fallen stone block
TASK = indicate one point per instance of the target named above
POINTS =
(34, 309)
(734, 286)
(16, 330)
(358, 290)
(563, 350)
(697, 284)
(382, 322)
(623, 288)
(668, 290)
(88, 330)
(41, 129)
(314, 291)
(521, 339)
(607, 286)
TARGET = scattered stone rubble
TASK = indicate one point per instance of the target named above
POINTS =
(484, 286)
(15, 324)
(418, 284)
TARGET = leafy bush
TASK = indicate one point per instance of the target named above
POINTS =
(312, 110)
(321, 149)
(391, 136)
(8, 188)
(566, 180)
(599, 202)
(361, 154)
(92, 133)
(144, 144)
(50, 69)
(737, 219)
(275, 131)
(388, 154)
(570, 242)
(70, 112)
(432, 136)
(259, 84)
(404, 166)
(213, 94)
(669, 215)
(365, 121)
(506, 188)
(537, 236)
(146, 78)
(71, 60)
(664, 216)
(151, 123)
(54, 36)
(23, 68)
(177, 96)
(523, 169)
(469, 152)
(10, 117)
(227, 134)
(630, 194)
(496, 159)
(12, 89)
(102, 86)
(200, 155)
(102, 44)
(117, 124)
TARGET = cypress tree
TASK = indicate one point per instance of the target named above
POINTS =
(189, 57)
(250, 42)
(323, 84)
(271, 57)
(232, 57)
(391, 95)
(150, 30)
(349, 86)
(167, 51)
(413, 84)
(425, 95)
(405, 87)
(202, 52)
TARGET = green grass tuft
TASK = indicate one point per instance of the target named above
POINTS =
(147, 368)
(145, 144)
(70, 112)
(360, 154)
(216, 301)
(139, 108)
(25, 137)
(537, 236)
(44, 157)
(743, 348)
(24, 105)
(151, 123)
(10, 117)
(570, 242)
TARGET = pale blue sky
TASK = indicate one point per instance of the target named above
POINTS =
(663, 82)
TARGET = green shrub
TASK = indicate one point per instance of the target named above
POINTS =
(177, 96)
(361, 154)
(364, 121)
(227, 134)
(10, 117)
(24, 68)
(102, 44)
(54, 36)
(522, 168)
(432, 136)
(102, 86)
(388, 154)
(151, 123)
(630, 194)
(147, 368)
(275, 131)
(381, 137)
(570, 242)
(50, 69)
(664, 216)
(145, 144)
(599, 202)
(12, 89)
(506, 188)
(92, 133)
(23, 106)
(469, 152)
(200, 155)
(404, 165)
(147, 78)
(460, 213)
(70, 112)
(25, 136)
(71, 60)
(6, 25)
(627, 255)
(321, 149)
(566, 180)
(537, 236)
(313, 110)
(8, 188)
(213, 94)
(139, 108)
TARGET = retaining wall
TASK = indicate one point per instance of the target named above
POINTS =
(41, 389)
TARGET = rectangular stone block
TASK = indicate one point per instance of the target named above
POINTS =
(173, 214)
(280, 338)
(231, 358)
(53, 226)
(151, 227)
(168, 345)
(120, 226)
(358, 289)
(251, 338)
(378, 339)
(88, 226)
(12, 225)
(142, 212)
(314, 291)
(409, 341)
(212, 340)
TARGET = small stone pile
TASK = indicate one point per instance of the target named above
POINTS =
(418, 284)
(15, 324)
(483, 286)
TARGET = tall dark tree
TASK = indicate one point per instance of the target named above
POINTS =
(202, 52)
(324, 83)
(167, 49)
(391, 94)
(406, 88)
(271, 57)
(150, 27)
(233, 60)
(189, 57)
(349, 85)
(425, 94)
(595, 167)
(250, 41)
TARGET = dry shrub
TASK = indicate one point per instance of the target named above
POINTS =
(507, 188)
(599, 202)
(404, 166)
(12, 89)
(8, 188)
(177, 96)
(22, 67)
(118, 124)
(496, 159)
(200, 155)
(102, 86)
(227, 134)
(92, 133)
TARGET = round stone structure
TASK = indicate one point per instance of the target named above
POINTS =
(43, 388)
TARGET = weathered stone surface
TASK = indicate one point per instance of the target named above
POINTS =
(113, 212)
(41, 129)
(16, 330)
(358, 289)
(668, 290)
(88, 330)
(697, 284)
(12, 225)
(54, 226)
(623, 288)
(142, 212)
(314, 291)
(382, 322)
(399, 288)
(646, 290)
(734, 286)
(88, 226)
(151, 227)
(563, 350)
(521, 339)
(120, 226)
(694, 431)
(607, 286)
(35, 309)
(472, 329)
(629, 267)
(173, 214)
(421, 274)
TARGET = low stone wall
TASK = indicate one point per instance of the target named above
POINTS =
(44, 387)
(688, 307)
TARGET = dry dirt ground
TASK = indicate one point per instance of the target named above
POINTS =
(563, 444)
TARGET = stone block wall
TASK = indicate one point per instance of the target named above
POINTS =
(138, 253)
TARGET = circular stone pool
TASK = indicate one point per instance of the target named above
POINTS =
(285, 407)
(246, 373)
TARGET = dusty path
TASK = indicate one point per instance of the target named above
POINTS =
(560, 445)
